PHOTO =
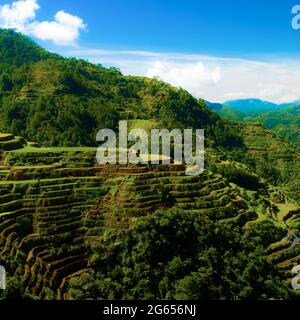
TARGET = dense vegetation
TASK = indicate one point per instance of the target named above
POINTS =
(56, 101)
(209, 261)
(283, 120)
(70, 228)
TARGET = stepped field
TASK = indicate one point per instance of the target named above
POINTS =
(271, 157)
(73, 229)
(55, 203)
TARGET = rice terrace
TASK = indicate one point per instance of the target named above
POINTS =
(207, 209)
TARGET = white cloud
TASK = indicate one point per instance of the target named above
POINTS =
(192, 76)
(64, 30)
(208, 77)
(20, 15)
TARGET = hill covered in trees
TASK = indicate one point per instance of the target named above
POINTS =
(284, 122)
(282, 119)
(73, 229)
(251, 106)
(55, 101)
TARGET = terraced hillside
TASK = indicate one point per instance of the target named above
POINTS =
(10, 142)
(55, 204)
(271, 157)
(70, 228)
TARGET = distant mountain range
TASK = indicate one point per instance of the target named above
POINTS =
(283, 119)
(250, 106)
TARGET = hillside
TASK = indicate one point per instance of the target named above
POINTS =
(283, 120)
(271, 157)
(251, 106)
(55, 101)
(73, 229)
(62, 218)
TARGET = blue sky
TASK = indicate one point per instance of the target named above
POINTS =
(214, 48)
(231, 28)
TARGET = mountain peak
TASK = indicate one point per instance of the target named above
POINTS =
(252, 105)
(17, 49)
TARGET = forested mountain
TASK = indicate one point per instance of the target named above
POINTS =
(284, 122)
(251, 106)
(73, 229)
(56, 101)
(282, 119)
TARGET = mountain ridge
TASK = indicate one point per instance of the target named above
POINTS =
(284, 120)
(73, 229)
(251, 105)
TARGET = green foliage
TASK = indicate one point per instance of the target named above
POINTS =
(23, 226)
(177, 255)
(14, 289)
(16, 49)
(239, 175)
(56, 101)
(168, 255)
(284, 122)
